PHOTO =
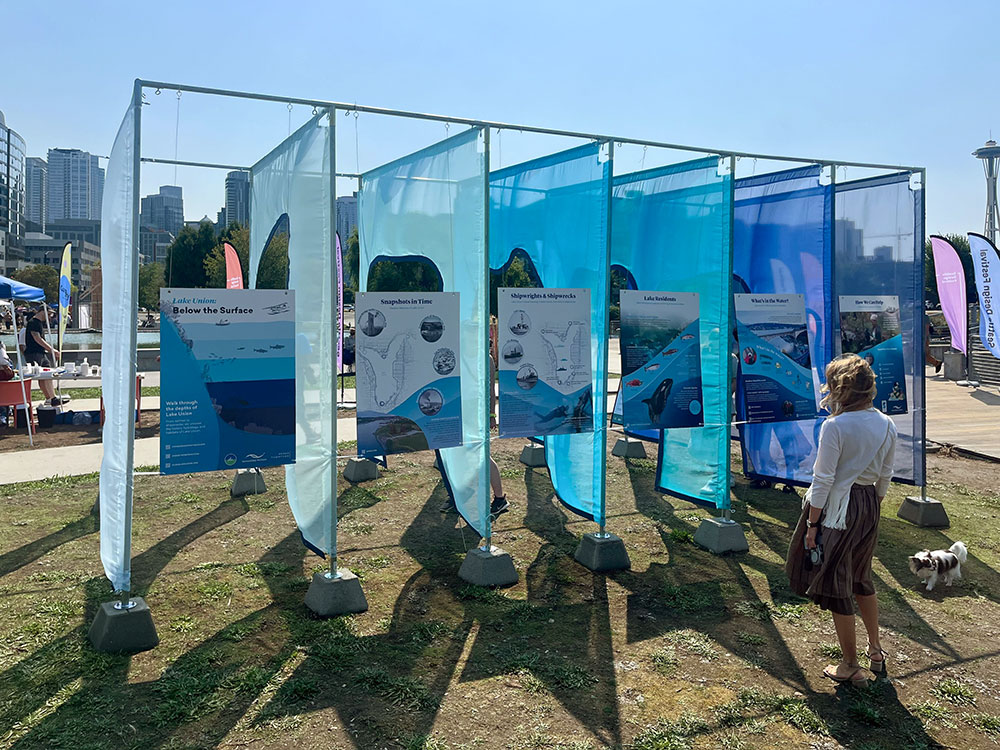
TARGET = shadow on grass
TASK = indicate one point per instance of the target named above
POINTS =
(28, 553)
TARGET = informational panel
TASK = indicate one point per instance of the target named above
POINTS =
(870, 328)
(661, 360)
(227, 395)
(774, 357)
(545, 373)
(408, 382)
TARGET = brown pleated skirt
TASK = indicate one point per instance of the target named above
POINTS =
(846, 569)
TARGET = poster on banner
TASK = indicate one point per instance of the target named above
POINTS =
(870, 328)
(408, 381)
(227, 398)
(775, 364)
(545, 371)
(661, 360)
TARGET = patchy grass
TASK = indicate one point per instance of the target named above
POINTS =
(955, 691)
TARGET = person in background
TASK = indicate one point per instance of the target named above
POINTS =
(928, 357)
(40, 351)
(830, 555)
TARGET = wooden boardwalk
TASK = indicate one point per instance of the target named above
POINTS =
(968, 418)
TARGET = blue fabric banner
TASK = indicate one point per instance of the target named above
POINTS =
(671, 232)
(782, 241)
(431, 205)
(553, 212)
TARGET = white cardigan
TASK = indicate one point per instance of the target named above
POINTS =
(856, 447)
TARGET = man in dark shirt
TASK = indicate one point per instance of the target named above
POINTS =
(37, 349)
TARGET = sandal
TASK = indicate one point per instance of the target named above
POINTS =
(831, 674)
(877, 667)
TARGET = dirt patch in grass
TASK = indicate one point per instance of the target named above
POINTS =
(57, 436)
(685, 650)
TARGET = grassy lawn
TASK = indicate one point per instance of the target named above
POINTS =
(686, 650)
(95, 392)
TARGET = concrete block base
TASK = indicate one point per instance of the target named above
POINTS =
(117, 630)
(360, 470)
(533, 456)
(247, 482)
(954, 366)
(602, 553)
(924, 512)
(331, 597)
(492, 567)
(720, 536)
(626, 448)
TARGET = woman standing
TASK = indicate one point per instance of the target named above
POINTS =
(830, 556)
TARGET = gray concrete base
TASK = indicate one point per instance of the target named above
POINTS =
(533, 455)
(123, 630)
(247, 482)
(921, 512)
(360, 470)
(720, 536)
(954, 366)
(601, 554)
(330, 597)
(628, 448)
(492, 567)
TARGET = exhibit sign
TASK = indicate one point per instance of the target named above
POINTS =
(870, 327)
(775, 365)
(227, 396)
(408, 381)
(661, 360)
(545, 368)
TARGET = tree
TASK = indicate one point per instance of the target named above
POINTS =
(272, 271)
(405, 276)
(961, 244)
(150, 281)
(515, 276)
(352, 258)
(44, 277)
(185, 267)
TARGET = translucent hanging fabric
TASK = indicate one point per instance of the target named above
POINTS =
(294, 179)
(880, 250)
(118, 259)
(432, 205)
(670, 232)
(554, 211)
(782, 244)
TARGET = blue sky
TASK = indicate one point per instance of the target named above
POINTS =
(903, 83)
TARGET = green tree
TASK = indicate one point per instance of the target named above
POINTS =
(516, 276)
(44, 277)
(186, 255)
(961, 244)
(352, 258)
(408, 276)
(272, 271)
(150, 282)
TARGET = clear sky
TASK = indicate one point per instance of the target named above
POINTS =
(896, 82)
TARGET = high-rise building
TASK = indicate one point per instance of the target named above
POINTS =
(69, 230)
(347, 216)
(153, 244)
(237, 206)
(163, 210)
(42, 249)
(76, 184)
(11, 197)
(36, 190)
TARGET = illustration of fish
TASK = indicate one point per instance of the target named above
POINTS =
(669, 351)
(261, 351)
(635, 383)
(277, 346)
(658, 401)
(653, 367)
(240, 348)
(687, 337)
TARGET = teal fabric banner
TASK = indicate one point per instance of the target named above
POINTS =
(431, 206)
(671, 232)
(553, 212)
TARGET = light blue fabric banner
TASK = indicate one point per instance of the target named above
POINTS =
(554, 212)
(294, 179)
(880, 250)
(782, 239)
(118, 256)
(670, 232)
(432, 205)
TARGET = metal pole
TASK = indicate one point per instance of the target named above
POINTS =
(727, 511)
(334, 571)
(602, 401)
(484, 474)
(919, 260)
(486, 124)
(132, 312)
(25, 396)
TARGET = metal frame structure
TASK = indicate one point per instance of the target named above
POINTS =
(333, 107)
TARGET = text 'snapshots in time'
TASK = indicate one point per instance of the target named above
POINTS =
(227, 397)
(408, 382)
(775, 367)
(545, 368)
(661, 360)
(870, 328)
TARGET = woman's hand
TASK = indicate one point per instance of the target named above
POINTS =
(811, 537)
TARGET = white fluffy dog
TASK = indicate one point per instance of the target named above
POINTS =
(941, 564)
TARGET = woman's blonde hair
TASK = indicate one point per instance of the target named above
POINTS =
(850, 385)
